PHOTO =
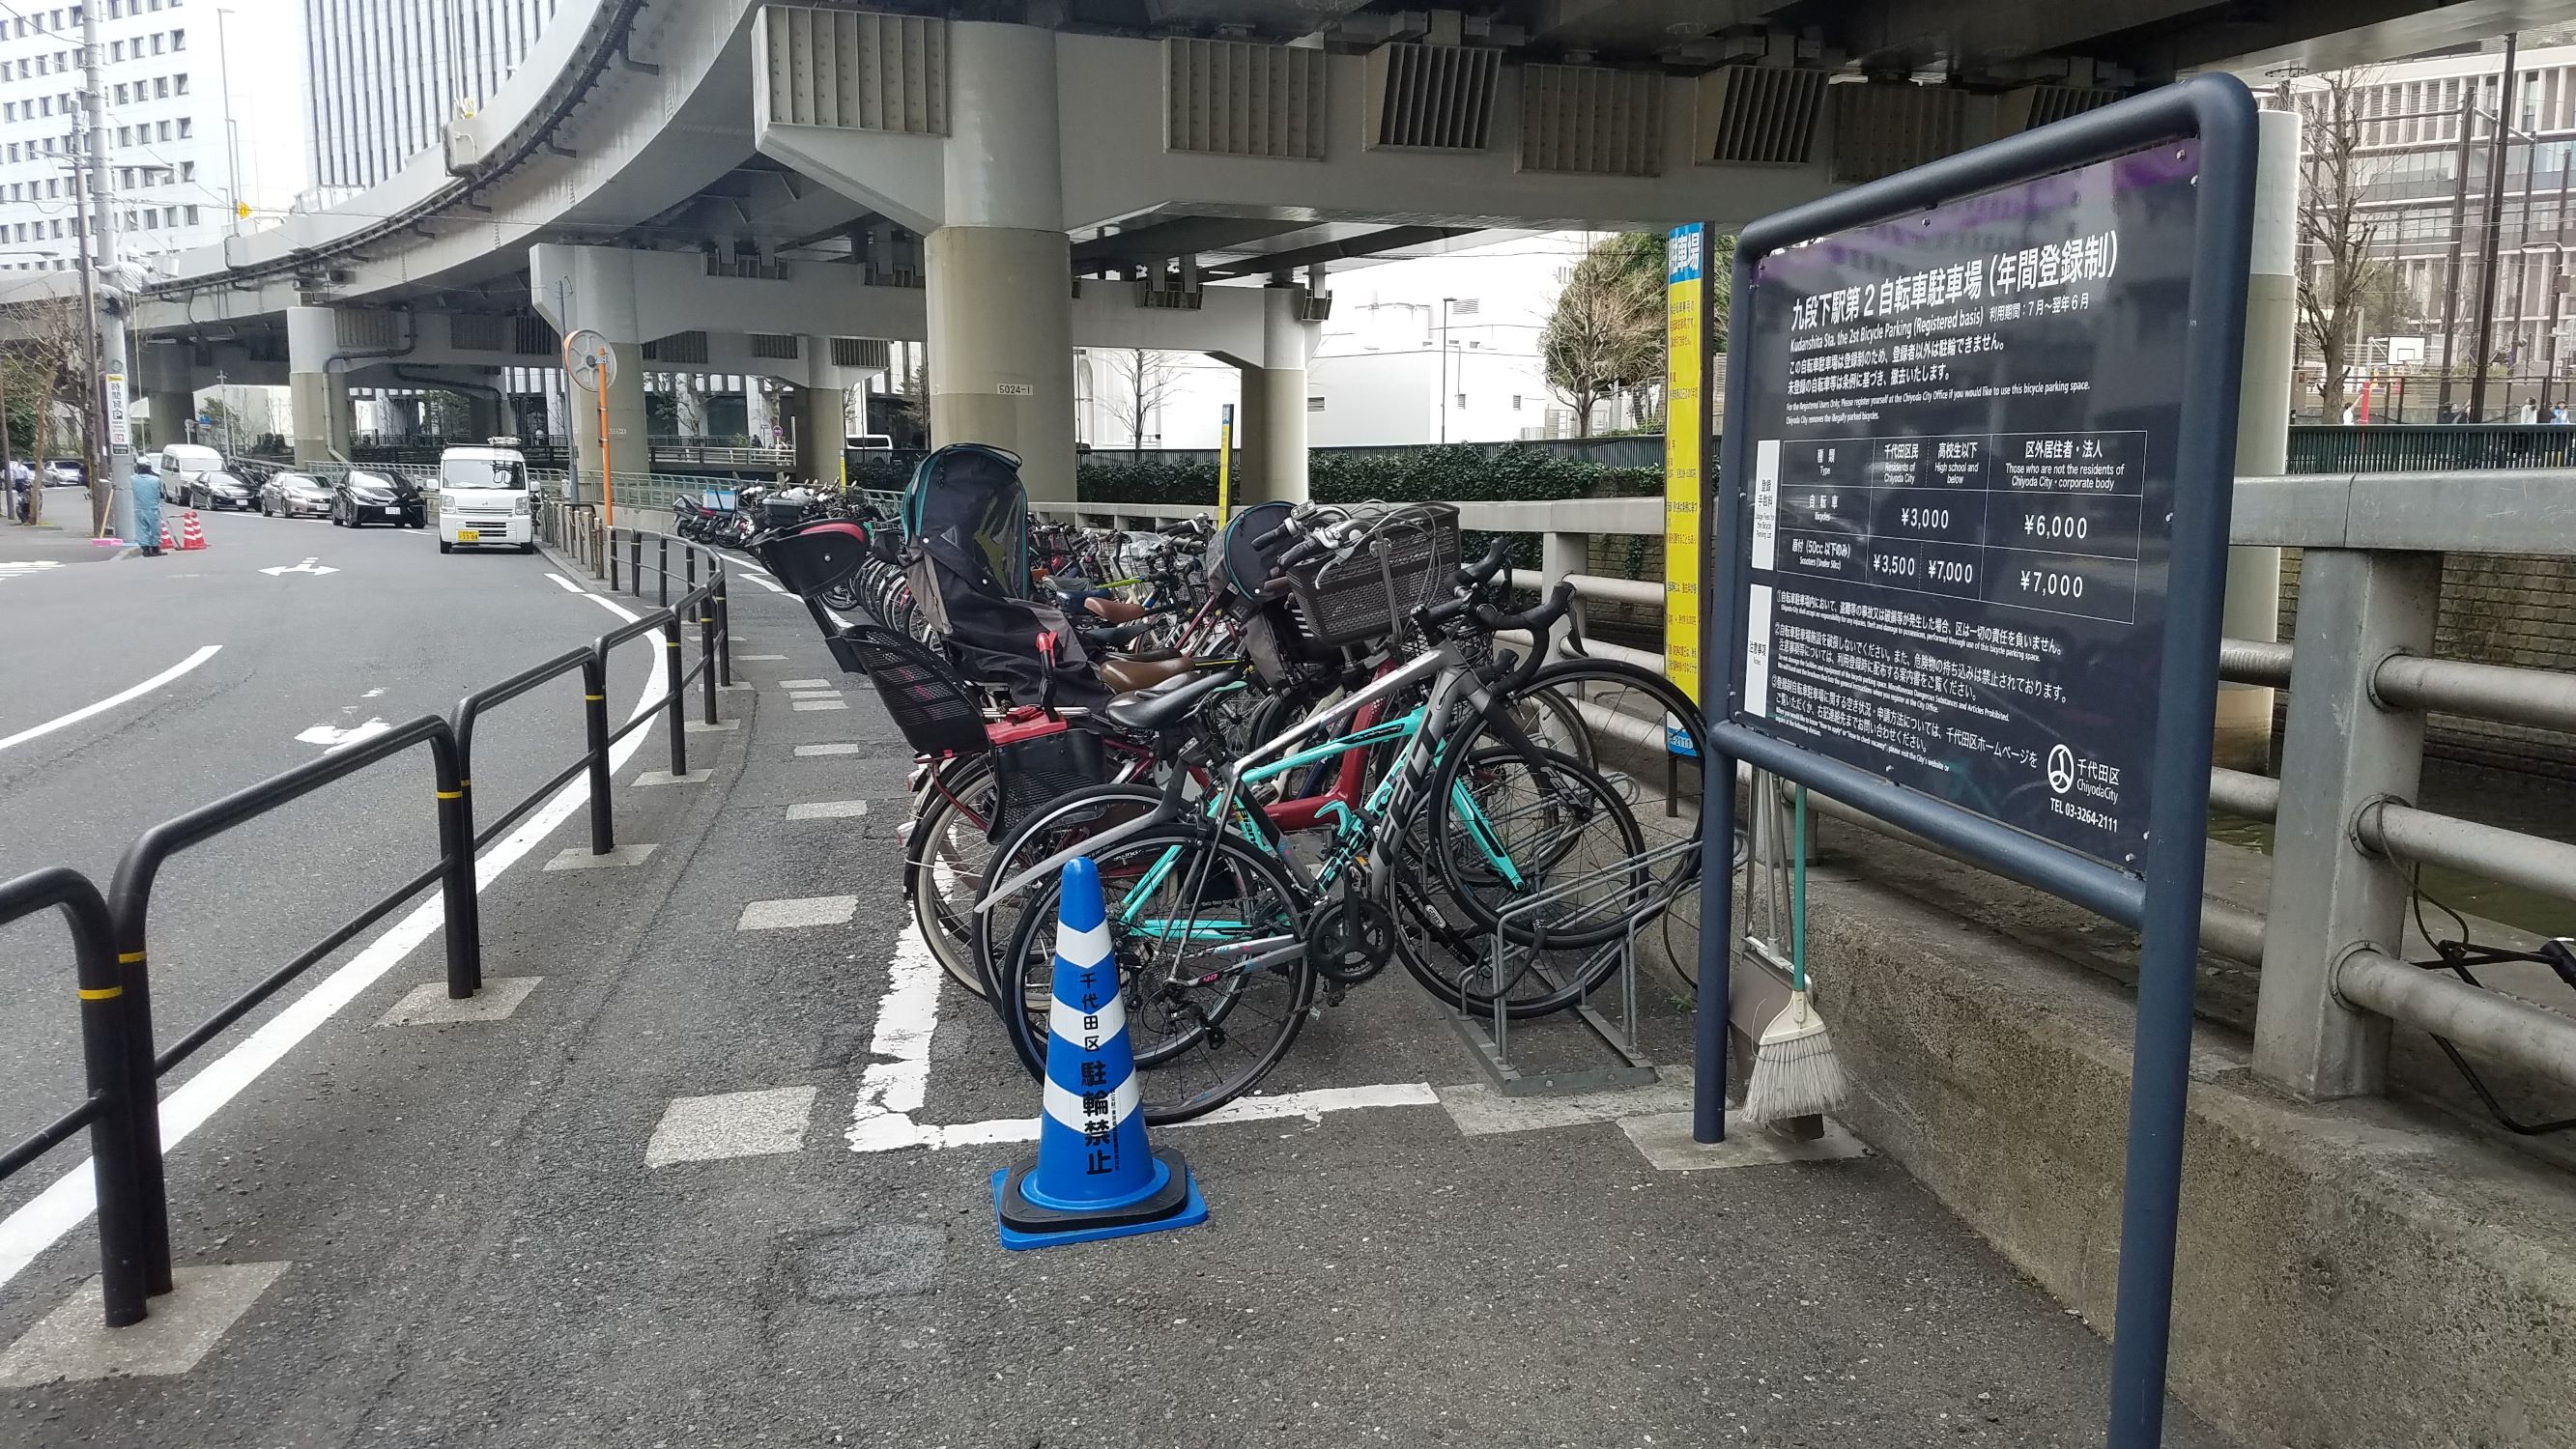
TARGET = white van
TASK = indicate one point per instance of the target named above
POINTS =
(483, 498)
(182, 464)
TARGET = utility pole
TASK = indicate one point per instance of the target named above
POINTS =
(2459, 228)
(107, 378)
(102, 495)
(2494, 223)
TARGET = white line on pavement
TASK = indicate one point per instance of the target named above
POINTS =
(113, 700)
(68, 1201)
(568, 585)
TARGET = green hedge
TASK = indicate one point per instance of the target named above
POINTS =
(1454, 473)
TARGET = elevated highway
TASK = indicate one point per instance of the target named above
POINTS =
(728, 186)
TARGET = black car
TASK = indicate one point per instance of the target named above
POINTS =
(219, 489)
(359, 498)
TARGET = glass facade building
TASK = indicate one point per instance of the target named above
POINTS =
(382, 76)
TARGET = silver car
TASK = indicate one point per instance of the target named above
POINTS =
(294, 495)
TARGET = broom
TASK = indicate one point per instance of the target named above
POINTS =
(1795, 1072)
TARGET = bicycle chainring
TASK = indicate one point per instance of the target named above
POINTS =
(1350, 940)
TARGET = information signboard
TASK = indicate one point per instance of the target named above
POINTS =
(1960, 515)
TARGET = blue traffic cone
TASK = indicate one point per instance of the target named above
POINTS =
(1094, 1176)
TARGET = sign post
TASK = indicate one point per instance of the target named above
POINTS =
(1970, 549)
(1224, 463)
(1686, 430)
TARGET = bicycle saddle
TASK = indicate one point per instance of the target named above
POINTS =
(1126, 674)
(1165, 705)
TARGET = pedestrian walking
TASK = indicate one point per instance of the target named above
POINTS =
(22, 481)
(2530, 412)
(147, 509)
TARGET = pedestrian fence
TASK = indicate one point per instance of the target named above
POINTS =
(111, 932)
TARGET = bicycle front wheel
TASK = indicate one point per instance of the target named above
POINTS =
(1209, 936)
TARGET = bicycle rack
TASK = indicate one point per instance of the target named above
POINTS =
(1642, 900)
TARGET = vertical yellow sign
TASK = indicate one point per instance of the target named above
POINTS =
(1686, 418)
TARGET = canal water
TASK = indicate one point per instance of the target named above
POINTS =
(2532, 805)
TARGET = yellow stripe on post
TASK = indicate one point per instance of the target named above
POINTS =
(451, 794)
(129, 958)
(101, 993)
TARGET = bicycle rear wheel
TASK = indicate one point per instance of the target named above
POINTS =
(1209, 936)
(1530, 842)
(945, 854)
(1066, 820)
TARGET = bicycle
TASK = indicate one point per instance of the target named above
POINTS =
(1220, 934)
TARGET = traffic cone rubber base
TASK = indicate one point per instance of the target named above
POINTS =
(1026, 1224)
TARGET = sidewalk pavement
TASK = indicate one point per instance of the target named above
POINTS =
(721, 1176)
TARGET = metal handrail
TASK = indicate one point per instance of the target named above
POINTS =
(110, 932)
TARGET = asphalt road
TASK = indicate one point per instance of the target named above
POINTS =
(471, 1234)
(298, 659)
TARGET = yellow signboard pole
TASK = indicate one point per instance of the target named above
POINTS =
(1224, 464)
(1686, 430)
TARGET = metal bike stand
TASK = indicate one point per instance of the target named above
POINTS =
(1640, 901)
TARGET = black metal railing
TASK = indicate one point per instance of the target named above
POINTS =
(111, 933)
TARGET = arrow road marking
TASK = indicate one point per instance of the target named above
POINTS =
(339, 738)
(306, 567)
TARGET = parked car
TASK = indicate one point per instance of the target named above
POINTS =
(217, 489)
(65, 472)
(483, 498)
(180, 464)
(295, 495)
(360, 498)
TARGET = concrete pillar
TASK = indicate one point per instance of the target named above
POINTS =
(485, 417)
(760, 416)
(324, 416)
(822, 421)
(1273, 435)
(1000, 268)
(2252, 610)
(598, 293)
(171, 413)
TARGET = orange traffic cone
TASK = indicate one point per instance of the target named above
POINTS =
(165, 537)
(192, 534)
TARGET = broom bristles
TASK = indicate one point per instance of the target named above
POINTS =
(1795, 1071)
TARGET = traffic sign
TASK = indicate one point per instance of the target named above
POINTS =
(590, 360)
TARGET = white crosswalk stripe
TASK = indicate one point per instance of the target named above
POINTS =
(25, 567)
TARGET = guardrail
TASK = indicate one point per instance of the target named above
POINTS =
(2360, 678)
(111, 933)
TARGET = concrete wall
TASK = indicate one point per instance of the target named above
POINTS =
(2496, 609)
(2353, 1274)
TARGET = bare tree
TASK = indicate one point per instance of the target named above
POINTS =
(1146, 380)
(1606, 332)
(2343, 281)
(44, 374)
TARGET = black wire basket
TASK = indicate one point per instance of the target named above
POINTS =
(1370, 593)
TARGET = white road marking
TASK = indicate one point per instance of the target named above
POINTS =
(731, 1124)
(757, 658)
(804, 684)
(372, 693)
(65, 1204)
(338, 738)
(113, 700)
(827, 810)
(815, 704)
(803, 911)
(895, 1084)
(807, 752)
(10, 571)
(306, 567)
(813, 694)
(567, 585)
(766, 584)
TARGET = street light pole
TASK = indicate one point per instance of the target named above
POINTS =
(2494, 222)
(232, 132)
(107, 376)
(2459, 229)
(1444, 367)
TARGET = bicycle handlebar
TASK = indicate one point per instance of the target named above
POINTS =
(1535, 620)
(1482, 572)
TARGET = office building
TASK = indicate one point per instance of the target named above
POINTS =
(381, 77)
(171, 181)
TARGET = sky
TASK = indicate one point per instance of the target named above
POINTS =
(264, 40)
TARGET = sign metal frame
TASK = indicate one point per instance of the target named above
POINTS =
(2163, 901)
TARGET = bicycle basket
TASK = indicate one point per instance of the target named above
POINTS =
(930, 704)
(1349, 600)
(1033, 771)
